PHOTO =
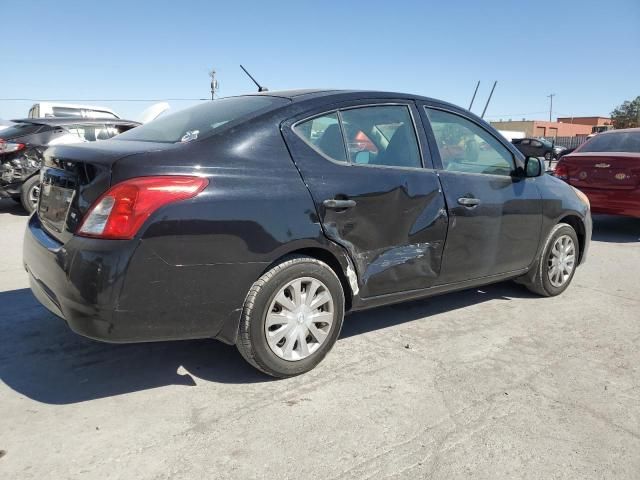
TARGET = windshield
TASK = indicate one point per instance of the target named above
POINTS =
(18, 130)
(546, 143)
(201, 120)
(613, 142)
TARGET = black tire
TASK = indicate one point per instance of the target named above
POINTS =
(548, 156)
(30, 189)
(540, 283)
(252, 342)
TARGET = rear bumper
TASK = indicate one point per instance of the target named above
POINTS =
(614, 202)
(120, 291)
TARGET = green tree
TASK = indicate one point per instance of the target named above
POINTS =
(627, 115)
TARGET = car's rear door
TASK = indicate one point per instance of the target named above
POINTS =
(495, 217)
(363, 164)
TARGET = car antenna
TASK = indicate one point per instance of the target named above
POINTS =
(260, 87)
(489, 99)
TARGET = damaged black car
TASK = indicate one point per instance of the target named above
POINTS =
(260, 220)
(22, 145)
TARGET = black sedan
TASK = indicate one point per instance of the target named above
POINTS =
(260, 220)
(537, 147)
(22, 145)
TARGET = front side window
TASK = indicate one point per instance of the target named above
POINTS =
(323, 133)
(466, 147)
(66, 112)
(98, 114)
(381, 135)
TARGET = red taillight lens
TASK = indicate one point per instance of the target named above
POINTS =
(561, 171)
(120, 212)
(10, 147)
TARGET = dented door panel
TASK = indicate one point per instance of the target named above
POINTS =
(395, 231)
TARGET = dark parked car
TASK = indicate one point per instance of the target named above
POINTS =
(537, 147)
(607, 169)
(22, 145)
(259, 221)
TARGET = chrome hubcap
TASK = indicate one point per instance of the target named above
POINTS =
(562, 261)
(34, 194)
(299, 319)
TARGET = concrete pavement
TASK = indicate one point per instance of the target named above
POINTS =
(490, 383)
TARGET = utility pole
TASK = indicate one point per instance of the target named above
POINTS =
(550, 97)
(215, 86)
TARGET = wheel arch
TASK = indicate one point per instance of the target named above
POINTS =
(340, 266)
(578, 225)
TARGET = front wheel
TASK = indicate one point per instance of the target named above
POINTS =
(292, 317)
(557, 263)
(30, 193)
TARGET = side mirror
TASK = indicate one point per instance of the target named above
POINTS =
(362, 157)
(533, 167)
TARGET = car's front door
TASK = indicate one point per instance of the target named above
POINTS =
(363, 165)
(495, 216)
(525, 147)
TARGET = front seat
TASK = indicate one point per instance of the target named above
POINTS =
(401, 151)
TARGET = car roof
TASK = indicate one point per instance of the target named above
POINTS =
(55, 121)
(297, 95)
(621, 130)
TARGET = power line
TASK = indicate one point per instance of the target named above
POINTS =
(515, 114)
(102, 99)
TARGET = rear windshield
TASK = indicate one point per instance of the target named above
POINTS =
(18, 130)
(202, 120)
(613, 142)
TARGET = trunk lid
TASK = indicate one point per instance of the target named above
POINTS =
(73, 177)
(607, 170)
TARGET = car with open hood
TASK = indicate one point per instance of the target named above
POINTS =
(23, 142)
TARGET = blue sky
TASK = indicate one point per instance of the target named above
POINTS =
(586, 52)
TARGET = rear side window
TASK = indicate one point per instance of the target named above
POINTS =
(610, 142)
(324, 134)
(381, 135)
(202, 120)
(18, 130)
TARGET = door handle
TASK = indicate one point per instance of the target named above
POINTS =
(468, 202)
(335, 204)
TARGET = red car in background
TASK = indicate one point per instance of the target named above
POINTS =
(607, 169)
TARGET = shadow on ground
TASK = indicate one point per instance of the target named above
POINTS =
(607, 228)
(43, 360)
(8, 206)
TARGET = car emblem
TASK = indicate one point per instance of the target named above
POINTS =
(621, 176)
(602, 165)
(582, 175)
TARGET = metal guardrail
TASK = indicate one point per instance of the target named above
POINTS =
(567, 142)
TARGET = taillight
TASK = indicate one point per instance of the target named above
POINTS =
(10, 147)
(561, 171)
(120, 212)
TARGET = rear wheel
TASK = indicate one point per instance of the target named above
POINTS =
(30, 193)
(557, 263)
(292, 316)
